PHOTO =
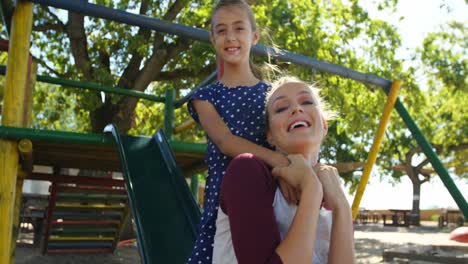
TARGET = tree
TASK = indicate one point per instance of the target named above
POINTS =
(438, 108)
(118, 55)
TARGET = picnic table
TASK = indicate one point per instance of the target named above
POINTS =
(399, 217)
(365, 216)
(451, 216)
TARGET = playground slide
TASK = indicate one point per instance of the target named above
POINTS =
(163, 207)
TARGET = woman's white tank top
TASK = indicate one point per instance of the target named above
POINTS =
(223, 252)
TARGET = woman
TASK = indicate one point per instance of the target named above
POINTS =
(255, 224)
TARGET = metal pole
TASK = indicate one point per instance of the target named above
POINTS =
(179, 146)
(169, 114)
(432, 156)
(94, 87)
(184, 126)
(194, 186)
(211, 78)
(25, 150)
(376, 145)
(100, 88)
(13, 115)
(15, 133)
(7, 8)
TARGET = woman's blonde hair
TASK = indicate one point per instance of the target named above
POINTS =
(315, 91)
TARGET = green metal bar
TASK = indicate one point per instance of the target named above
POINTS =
(8, 132)
(194, 186)
(433, 158)
(54, 136)
(169, 114)
(100, 88)
(179, 146)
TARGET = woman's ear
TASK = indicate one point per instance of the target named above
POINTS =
(325, 125)
(270, 139)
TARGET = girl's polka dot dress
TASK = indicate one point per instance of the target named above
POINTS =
(242, 109)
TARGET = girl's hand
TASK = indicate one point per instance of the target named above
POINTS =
(279, 160)
(289, 192)
(333, 196)
(298, 174)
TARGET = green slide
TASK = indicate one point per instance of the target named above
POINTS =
(165, 212)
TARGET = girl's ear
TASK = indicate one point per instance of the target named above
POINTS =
(255, 37)
(212, 40)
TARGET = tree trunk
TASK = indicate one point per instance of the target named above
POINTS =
(415, 211)
(101, 117)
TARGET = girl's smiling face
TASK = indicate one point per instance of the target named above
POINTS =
(232, 34)
(296, 123)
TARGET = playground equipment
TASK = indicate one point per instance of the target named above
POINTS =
(188, 154)
(166, 226)
(84, 214)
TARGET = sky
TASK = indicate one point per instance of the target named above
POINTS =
(419, 18)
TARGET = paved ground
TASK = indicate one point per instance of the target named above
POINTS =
(371, 241)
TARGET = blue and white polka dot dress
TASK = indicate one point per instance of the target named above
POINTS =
(242, 109)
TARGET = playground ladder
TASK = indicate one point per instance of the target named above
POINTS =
(85, 217)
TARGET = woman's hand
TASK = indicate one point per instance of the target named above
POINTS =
(333, 196)
(298, 174)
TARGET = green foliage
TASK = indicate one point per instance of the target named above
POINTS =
(445, 55)
(53, 109)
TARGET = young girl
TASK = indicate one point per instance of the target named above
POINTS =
(231, 112)
(255, 224)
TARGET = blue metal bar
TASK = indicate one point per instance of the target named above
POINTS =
(211, 78)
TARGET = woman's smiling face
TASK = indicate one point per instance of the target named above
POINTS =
(296, 123)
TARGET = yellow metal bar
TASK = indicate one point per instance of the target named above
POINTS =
(90, 206)
(184, 126)
(25, 149)
(376, 145)
(13, 115)
(16, 211)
